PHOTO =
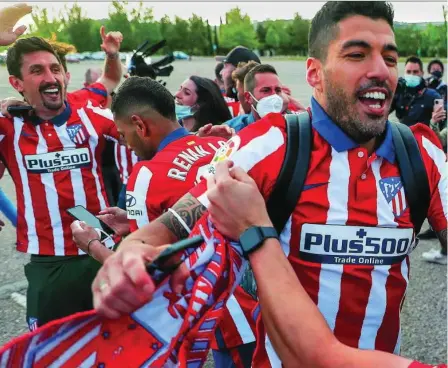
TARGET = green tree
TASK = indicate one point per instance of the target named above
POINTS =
(261, 36)
(118, 21)
(144, 27)
(76, 27)
(298, 35)
(238, 30)
(272, 38)
(42, 26)
(199, 39)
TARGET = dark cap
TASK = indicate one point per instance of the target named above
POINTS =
(241, 54)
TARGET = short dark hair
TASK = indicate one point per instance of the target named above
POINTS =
(414, 60)
(219, 66)
(242, 69)
(213, 108)
(140, 92)
(23, 46)
(436, 61)
(324, 25)
(249, 79)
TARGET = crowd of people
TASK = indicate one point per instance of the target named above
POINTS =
(151, 165)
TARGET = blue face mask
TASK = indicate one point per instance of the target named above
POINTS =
(183, 112)
(412, 81)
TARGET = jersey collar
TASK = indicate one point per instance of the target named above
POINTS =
(340, 141)
(58, 120)
(173, 136)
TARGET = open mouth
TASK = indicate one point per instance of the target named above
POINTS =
(51, 92)
(374, 101)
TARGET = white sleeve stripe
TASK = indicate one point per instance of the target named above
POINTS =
(252, 153)
(1, 137)
(141, 189)
(258, 149)
(439, 159)
(106, 113)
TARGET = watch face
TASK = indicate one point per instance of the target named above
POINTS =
(250, 239)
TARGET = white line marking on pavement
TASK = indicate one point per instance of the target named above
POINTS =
(19, 299)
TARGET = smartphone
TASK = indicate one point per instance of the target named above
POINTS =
(193, 242)
(438, 104)
(80, 213)
(19, 110)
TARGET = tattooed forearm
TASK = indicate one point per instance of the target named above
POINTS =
(190, 211)
(442, 235)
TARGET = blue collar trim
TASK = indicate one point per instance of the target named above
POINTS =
(340, 141)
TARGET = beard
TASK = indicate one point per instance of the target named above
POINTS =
(54, 105)
(342, 108)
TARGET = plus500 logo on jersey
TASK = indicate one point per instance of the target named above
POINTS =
(331, 244)
(57, 161)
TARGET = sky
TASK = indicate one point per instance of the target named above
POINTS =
(411, 12)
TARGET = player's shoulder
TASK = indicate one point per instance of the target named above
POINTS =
(424, 135)
(94, 110)
(271, 124)
(142, 171)
(8, 123)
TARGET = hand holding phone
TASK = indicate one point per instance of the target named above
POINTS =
(438, 104)
(157, 264)
(80, 213)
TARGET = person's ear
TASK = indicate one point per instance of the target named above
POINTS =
(248, 97)
(140, 126)
(314, 73)
(16, 83)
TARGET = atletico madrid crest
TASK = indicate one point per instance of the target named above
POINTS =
(393, 190)
(77, 133)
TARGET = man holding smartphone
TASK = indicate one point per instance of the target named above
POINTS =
(54, 158)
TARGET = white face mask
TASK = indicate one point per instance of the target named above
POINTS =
(272, 103)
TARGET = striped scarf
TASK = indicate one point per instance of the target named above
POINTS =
(172, 330)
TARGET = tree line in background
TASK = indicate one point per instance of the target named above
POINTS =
(196, 37)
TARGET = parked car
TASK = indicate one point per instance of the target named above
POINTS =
(99, 55)
(180, 55)
(73, 58)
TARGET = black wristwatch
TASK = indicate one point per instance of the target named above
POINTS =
(253, 238)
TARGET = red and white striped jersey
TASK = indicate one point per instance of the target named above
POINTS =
(55, 165)
(157, 184)
(350, 235)
(125, 160)
(95, 92)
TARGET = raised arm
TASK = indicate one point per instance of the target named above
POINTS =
(112, 71)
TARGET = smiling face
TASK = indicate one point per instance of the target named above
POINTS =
(186, 95)
(355, 83)
(42, 83)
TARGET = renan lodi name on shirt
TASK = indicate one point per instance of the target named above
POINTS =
(185, 160)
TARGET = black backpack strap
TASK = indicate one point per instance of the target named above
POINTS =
(412, 172)
(290, 181)
(292, 175)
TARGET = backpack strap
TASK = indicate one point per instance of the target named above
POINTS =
(289, 184)
(291, 179)
(413, 173)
